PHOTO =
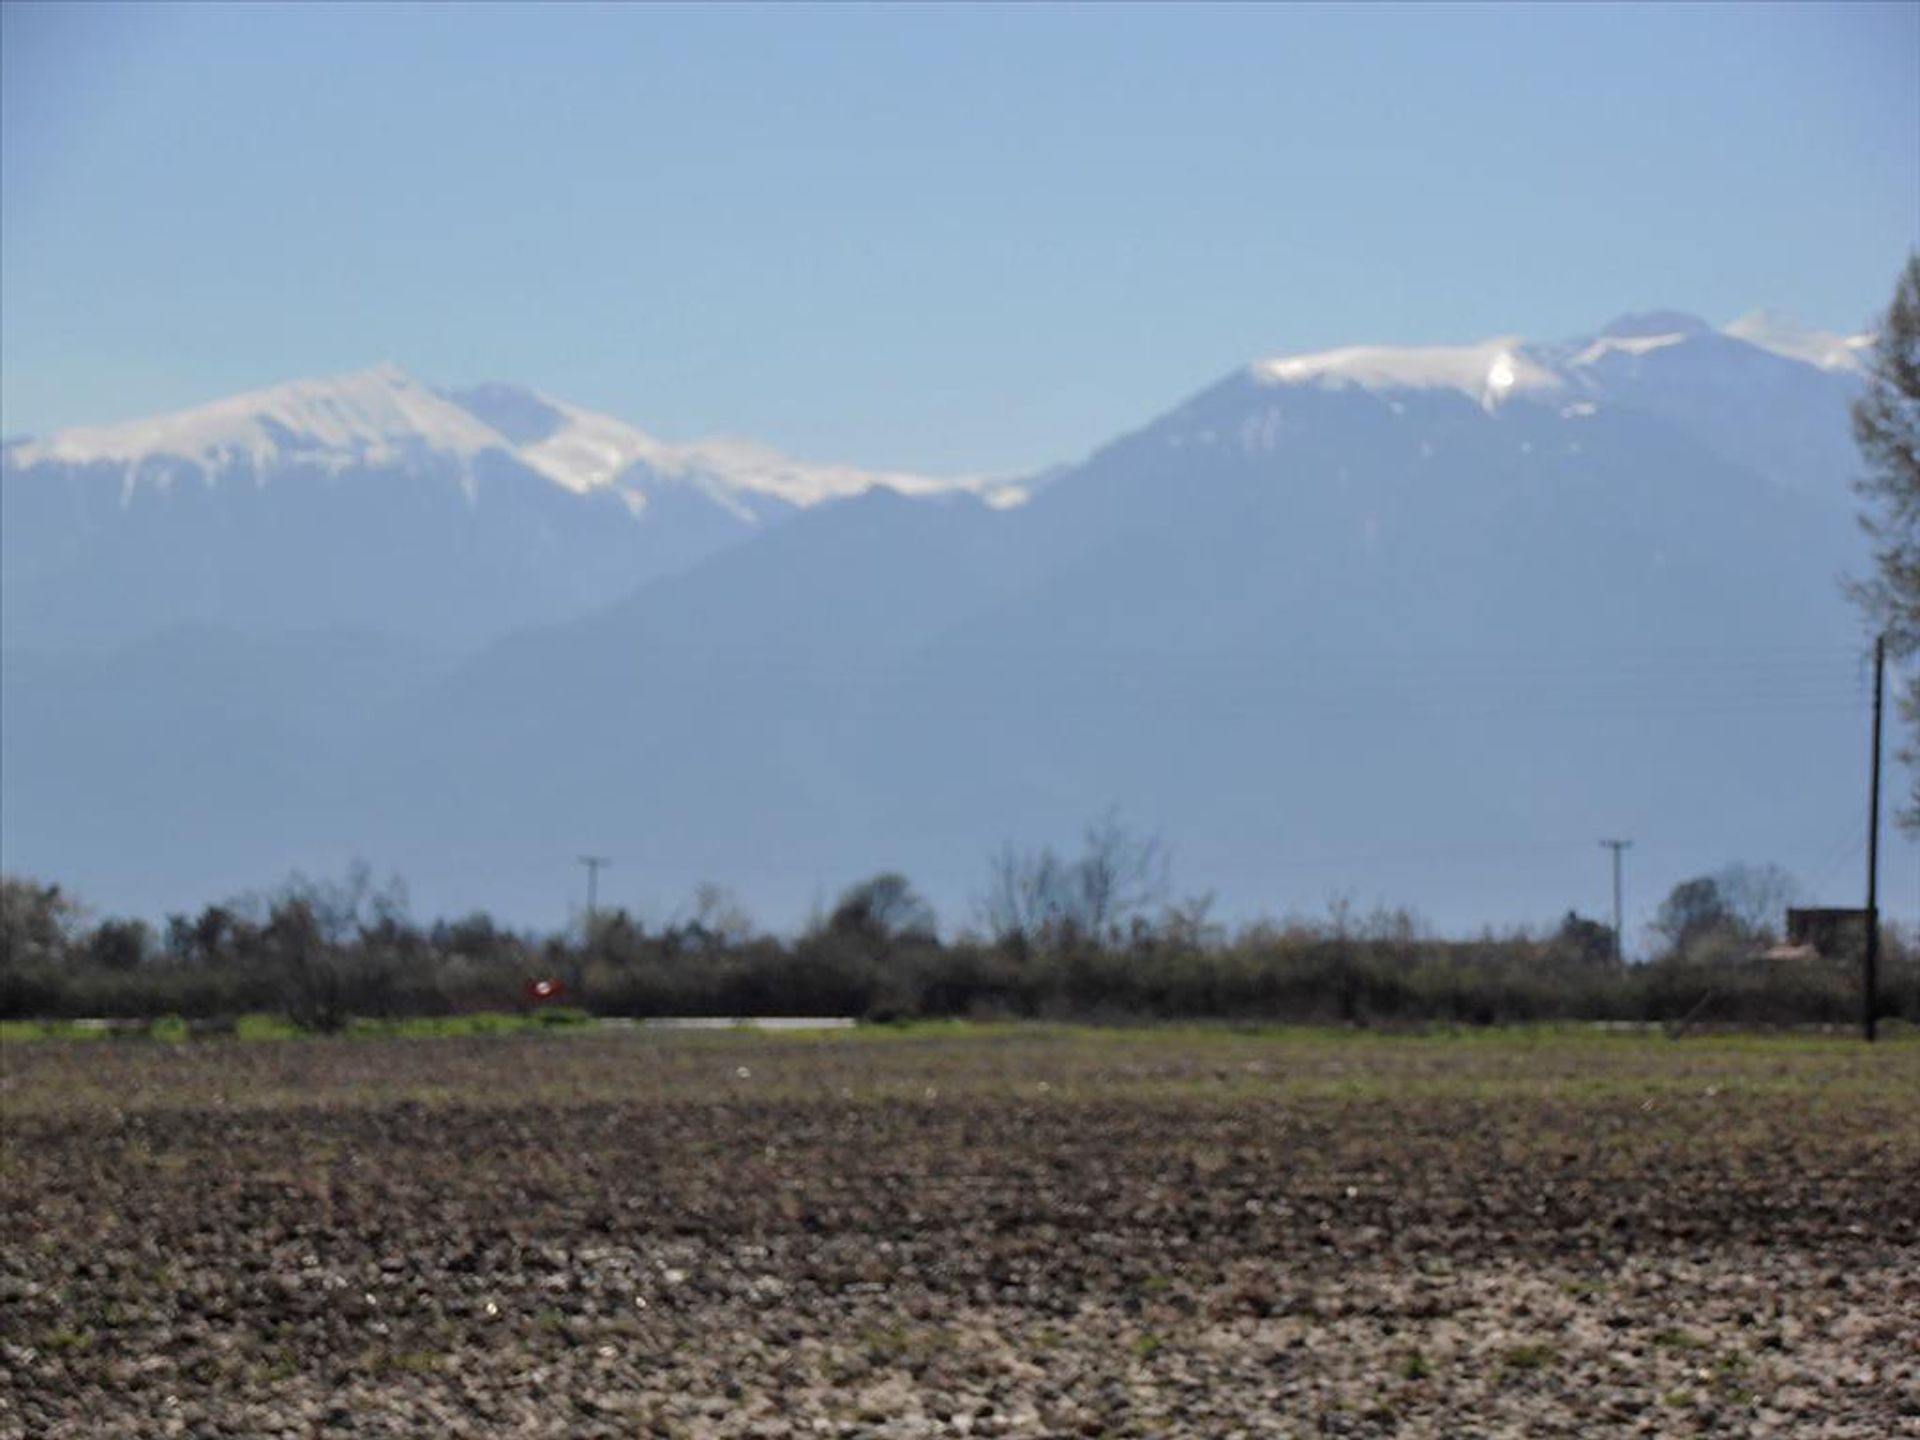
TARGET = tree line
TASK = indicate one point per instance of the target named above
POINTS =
(1092, 935)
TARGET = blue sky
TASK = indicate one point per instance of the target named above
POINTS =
(968, 239)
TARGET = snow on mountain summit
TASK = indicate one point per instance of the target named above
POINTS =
(584, 449)
(1489, 372)
(1734, 381)
(371, 417)
(748, 465)
(1762, 393)
(384, 419)
(1682, 349)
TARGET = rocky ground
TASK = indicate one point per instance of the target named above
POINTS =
(1005, 1233)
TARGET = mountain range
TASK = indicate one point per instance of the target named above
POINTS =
(1408, 624)
(376, 501)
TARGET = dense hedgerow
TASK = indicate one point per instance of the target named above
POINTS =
(320, 954)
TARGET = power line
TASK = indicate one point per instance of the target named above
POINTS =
(1845, 848)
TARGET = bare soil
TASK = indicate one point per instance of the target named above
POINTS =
(1026, 1232)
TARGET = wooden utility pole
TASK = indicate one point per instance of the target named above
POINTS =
(1870, 981)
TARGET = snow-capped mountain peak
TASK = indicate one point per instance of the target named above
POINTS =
(370, 417)
(1489, 372)
(383, 418)
(1763, 393)
(1496, 370)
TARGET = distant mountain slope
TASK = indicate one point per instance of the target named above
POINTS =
(1412, 624)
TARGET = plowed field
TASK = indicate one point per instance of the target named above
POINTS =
(1032, 1232)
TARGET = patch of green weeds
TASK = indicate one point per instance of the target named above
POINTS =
(283, 1366)
(903, 1347)
(885, 1345)
(111, 1315)
(489, 1022)
(409, 1362)
(174, 1029)
(1675, 1339)
(264, 1027)
(1524, 1358)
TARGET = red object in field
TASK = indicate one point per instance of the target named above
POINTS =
(541, 991)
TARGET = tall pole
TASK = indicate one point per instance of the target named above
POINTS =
(1616, 846)
(594, 864)
(1871, 979)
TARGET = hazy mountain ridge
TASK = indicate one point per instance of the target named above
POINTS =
(1449, 602)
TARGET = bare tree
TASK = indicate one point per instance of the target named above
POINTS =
(719, 915)
(333, 943)
(1038, 900)
(1757, 897)
(1018, 902)
(1886, 426)
(1118, 875)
